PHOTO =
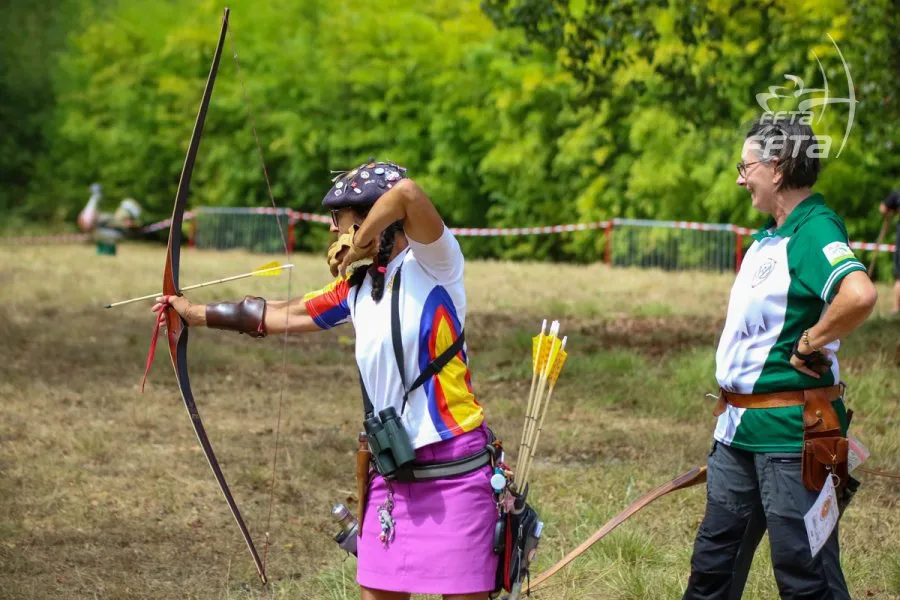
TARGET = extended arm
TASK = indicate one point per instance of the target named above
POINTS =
(293, 316)
(276, 316)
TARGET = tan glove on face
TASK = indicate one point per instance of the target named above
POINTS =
(338, 250)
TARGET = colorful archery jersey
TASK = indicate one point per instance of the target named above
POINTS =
(432, 315)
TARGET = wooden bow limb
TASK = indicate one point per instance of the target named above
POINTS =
(693, 477)
(884, 227)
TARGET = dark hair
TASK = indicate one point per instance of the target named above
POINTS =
(385, 249)
(793, 143)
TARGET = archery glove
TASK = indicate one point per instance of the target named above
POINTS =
(338, 250)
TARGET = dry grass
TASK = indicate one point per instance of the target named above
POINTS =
(104, 492)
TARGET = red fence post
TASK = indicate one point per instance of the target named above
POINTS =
(192, 228)
(738, 251)
(608, 254)
(290, 236)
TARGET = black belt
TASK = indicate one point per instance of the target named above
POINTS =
(444, 470)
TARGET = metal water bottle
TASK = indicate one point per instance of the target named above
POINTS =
(346, 536)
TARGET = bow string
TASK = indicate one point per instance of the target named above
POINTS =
(176, 326)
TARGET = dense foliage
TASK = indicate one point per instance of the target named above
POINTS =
(509, 113)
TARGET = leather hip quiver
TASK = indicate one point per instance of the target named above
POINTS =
(363, 459)
(824, 446)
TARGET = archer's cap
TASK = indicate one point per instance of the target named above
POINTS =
(362, 186)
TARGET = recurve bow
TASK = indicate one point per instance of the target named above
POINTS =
(176, 326)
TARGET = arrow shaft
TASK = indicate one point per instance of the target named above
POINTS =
(204, 284)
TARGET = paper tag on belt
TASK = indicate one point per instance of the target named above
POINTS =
(822, 517)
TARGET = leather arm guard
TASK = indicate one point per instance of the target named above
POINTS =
(247, 316)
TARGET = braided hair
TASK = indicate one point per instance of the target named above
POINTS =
(377, 268)
(385, 249)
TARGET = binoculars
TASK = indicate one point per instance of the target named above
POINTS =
(389, 442)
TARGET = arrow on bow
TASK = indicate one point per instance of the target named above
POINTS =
(693, 477)
(176, 326)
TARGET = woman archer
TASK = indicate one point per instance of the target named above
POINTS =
(423, 531)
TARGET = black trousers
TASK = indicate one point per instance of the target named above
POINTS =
(747, 493)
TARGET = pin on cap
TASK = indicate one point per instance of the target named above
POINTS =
(368, 182)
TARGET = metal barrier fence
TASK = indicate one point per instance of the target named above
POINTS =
(673, 246)
(218, 228)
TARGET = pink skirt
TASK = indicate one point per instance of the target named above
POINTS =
(443, 529)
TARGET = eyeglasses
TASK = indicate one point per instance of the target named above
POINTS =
(334, 215)
(742, 167)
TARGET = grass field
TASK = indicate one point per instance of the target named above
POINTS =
(104, 492)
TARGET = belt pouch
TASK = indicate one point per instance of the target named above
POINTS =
(825, 449)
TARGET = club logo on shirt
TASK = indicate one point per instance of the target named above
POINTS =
(754, 321)
(763, 272)
(835, 252)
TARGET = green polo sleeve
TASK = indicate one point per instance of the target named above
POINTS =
(821, 256)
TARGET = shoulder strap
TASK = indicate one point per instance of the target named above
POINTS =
(396, 333)
(435, 366)
(368, 408)
(440, 362)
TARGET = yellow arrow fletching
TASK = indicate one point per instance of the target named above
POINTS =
(546, 346)
(557, 367)
(555, 349)
(271, 269)
(535, 343)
